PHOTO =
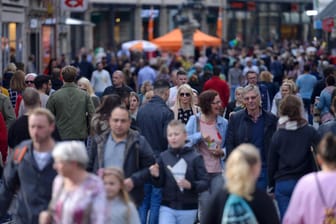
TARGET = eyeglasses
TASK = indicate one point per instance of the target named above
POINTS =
(250, 98)
(184, 94)
(216, 103)
(29, 81)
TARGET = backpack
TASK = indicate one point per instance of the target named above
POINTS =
(237, 211)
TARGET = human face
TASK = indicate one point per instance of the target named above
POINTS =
(112, 186)
(185, 96)
(30, 82)
(182, 79)
(255, 169)
(134, 103)
(120, 123)
(284, 90)
(40, 129)
(251, 100)
(216, 105)
(63, 168)
(176, 137)
(117, 79)
(81, 86)
(239, 96)
(252, 78)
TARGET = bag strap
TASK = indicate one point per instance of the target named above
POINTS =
(319, 188)
(19, 154)
(314, 157)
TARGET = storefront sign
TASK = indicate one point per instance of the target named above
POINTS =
(74, 5)
(328, 24)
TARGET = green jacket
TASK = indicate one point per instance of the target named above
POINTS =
(7, 110)
(73, 110)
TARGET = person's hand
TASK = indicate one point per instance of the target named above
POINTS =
(45, 217)
(185, 184)
(128, 182)
(154, 170)
(207, 139)
(218, 152)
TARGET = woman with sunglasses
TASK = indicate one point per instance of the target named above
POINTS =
(184, 105)
(206, 131)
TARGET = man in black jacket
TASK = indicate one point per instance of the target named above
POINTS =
(29, 171)
(253, 125)
(126, 149)
(152, 120)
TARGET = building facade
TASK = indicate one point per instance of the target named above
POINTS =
(40, 28)
(252, 21)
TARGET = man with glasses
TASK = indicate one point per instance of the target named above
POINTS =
(252, 79)
(252, 125)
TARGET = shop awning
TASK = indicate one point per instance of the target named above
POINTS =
(328, 11)
(69, 21)
(72, 21)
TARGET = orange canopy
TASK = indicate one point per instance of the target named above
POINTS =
(173, 40)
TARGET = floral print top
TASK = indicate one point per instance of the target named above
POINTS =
(84, 205)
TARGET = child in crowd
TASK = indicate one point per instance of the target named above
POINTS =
(119, 207)
(180, 187)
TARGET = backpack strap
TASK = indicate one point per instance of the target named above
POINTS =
(19, 153)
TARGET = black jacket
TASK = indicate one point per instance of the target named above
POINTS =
(261, 205)
(196, 174)
(33, 186)
(290, 156)
(240, 130)
(139, 157)
(152, 120)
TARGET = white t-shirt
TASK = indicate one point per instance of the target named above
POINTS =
(42, 159)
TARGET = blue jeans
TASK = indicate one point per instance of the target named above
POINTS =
(151, 202)
(283, 192)
(173, 216)
(306, 104)
(262, 180)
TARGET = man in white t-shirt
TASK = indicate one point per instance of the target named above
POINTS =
(100, 79)
(181, 78)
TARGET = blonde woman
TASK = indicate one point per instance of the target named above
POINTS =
(145, 88)
(288, 87)
(242, 171)
(84, 84)
(184, 105)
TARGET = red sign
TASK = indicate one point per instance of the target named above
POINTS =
(74, 5)
(328, 24)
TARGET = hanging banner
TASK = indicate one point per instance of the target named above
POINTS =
(74, 5)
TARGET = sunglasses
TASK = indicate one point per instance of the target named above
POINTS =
(185, 94)
(28, 81)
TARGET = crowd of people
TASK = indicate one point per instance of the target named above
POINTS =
(237, 136)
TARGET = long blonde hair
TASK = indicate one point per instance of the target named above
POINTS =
(239, 178)
(87, 84)
(177, 105)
